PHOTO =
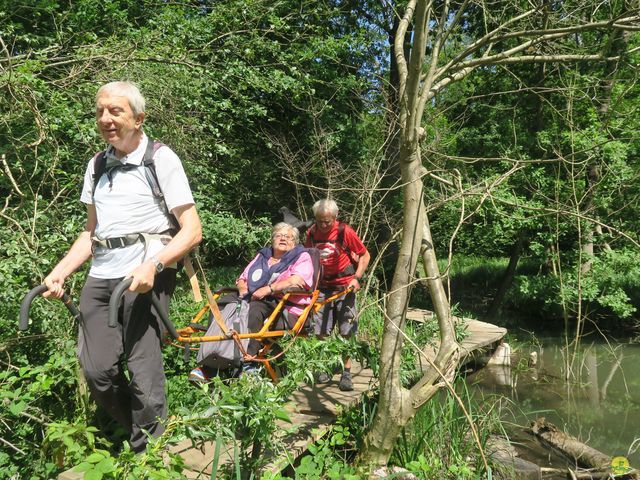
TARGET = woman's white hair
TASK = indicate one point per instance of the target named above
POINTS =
(325, 205)
(129, 90)
(279, 227)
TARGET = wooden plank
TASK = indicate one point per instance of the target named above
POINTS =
(480, 335)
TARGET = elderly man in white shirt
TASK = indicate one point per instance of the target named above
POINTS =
(129, 232)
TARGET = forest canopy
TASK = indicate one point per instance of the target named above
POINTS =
(281, 103)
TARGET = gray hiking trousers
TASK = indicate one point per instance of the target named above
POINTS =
(342, 313)
(137, 403)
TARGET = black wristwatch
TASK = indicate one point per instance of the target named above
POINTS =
(159, 265)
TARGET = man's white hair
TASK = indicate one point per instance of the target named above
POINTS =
(129, 90)
(325, 205)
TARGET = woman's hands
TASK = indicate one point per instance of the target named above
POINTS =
(262, 292)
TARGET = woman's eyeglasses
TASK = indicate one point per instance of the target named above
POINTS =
(286, 236)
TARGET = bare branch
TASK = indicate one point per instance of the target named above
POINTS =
(7, 172)
(485, 40)
(398, 49)
(12, 446)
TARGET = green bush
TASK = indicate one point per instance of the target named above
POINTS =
(228, 239)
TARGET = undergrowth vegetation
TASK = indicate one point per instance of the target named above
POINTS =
(47, 411)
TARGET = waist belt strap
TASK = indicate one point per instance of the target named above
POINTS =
(116, 242)
(347, 272)
(126, 240)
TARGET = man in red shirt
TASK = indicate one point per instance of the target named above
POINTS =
(344, 260)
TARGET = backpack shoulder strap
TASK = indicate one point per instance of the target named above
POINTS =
(150, 167)
(311, 234)
(340, 239)
(152, 178)
(314, 253)
(99, 167)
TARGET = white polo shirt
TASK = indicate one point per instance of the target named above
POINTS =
(127, 206)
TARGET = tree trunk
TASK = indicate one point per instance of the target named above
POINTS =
(397, 405)
(390, 159)
(394, 408)
(507, 278)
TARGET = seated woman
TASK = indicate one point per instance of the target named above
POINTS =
(285, 264)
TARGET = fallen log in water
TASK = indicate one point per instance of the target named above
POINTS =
(582, 454)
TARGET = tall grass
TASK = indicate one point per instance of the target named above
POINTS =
(438, 442)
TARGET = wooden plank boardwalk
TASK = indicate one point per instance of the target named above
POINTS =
(314, 408)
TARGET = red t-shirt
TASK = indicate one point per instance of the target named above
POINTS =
(333, 255)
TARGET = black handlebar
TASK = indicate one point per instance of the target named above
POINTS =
(33, 293)
(114, 304)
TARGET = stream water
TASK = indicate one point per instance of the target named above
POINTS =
(599, 402)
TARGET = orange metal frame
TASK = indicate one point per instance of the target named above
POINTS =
(189, 335)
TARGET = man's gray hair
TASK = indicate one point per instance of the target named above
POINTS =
(129, 90)
(279, 227)
(325, 205)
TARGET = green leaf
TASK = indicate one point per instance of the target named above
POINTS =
(93, 475)
(94, 458)
(106, 466)
(83, 467)
(282, 415)
(17, 408)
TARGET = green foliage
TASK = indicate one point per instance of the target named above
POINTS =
(421, 333)
(614, 281)
(310, 355)
(324, 460)
(97, 465)
(32, 396)
(74, 442)
(242, 412)
(230, 238)
(332, 455)
(608, 291)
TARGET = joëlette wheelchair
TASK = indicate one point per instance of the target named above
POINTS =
(193, 334)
